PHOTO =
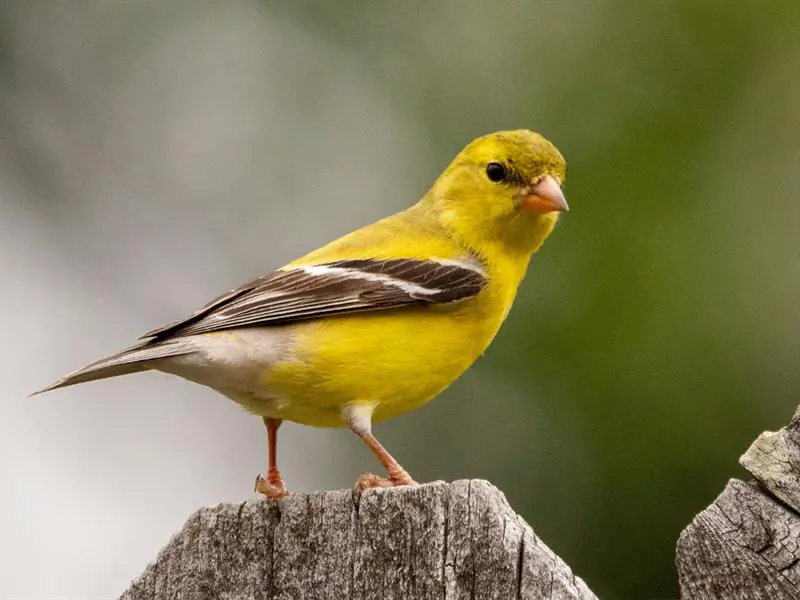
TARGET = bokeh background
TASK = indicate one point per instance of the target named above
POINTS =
(153, 155)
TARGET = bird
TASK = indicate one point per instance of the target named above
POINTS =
(377, 322)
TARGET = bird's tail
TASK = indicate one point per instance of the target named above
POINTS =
(131, 360)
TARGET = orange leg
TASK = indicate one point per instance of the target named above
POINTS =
(273, 486)
(359, 419)
(397, 474)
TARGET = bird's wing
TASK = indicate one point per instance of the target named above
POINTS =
(333, 288)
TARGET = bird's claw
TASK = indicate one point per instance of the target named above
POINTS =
(275, 489)
(369, 480)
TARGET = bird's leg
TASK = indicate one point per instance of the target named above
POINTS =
(272, 486)
(359, 419)
(397, 474)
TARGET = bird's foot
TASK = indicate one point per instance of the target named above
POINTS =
(369, 480)
(271, 487)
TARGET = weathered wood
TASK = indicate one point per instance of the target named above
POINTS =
(436, 541)
(774, 460)
(746, 545)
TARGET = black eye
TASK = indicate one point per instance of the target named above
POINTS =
(496, 172)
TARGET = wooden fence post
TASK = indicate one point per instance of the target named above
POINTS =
(746, 545)
(436, 541)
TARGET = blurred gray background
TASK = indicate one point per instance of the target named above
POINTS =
(153, 155)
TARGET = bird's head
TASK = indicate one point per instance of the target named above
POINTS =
(502, 190)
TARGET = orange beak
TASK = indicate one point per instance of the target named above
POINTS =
(544, 197)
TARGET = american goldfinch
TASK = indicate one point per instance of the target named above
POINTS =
(379, 321)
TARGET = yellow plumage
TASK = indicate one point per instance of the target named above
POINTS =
(399, 359)
(381, 320)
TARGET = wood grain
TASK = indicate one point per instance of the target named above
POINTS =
(435, 541)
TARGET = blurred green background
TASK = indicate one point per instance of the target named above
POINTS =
(153, 155)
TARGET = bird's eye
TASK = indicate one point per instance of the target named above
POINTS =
(496, 172)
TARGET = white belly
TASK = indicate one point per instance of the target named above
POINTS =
(234, 363)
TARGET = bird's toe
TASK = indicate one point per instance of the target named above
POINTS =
(271, 489)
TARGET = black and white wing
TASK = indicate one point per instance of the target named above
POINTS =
(296, 294)
(334, 288)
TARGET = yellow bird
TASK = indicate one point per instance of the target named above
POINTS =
(379, 321)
